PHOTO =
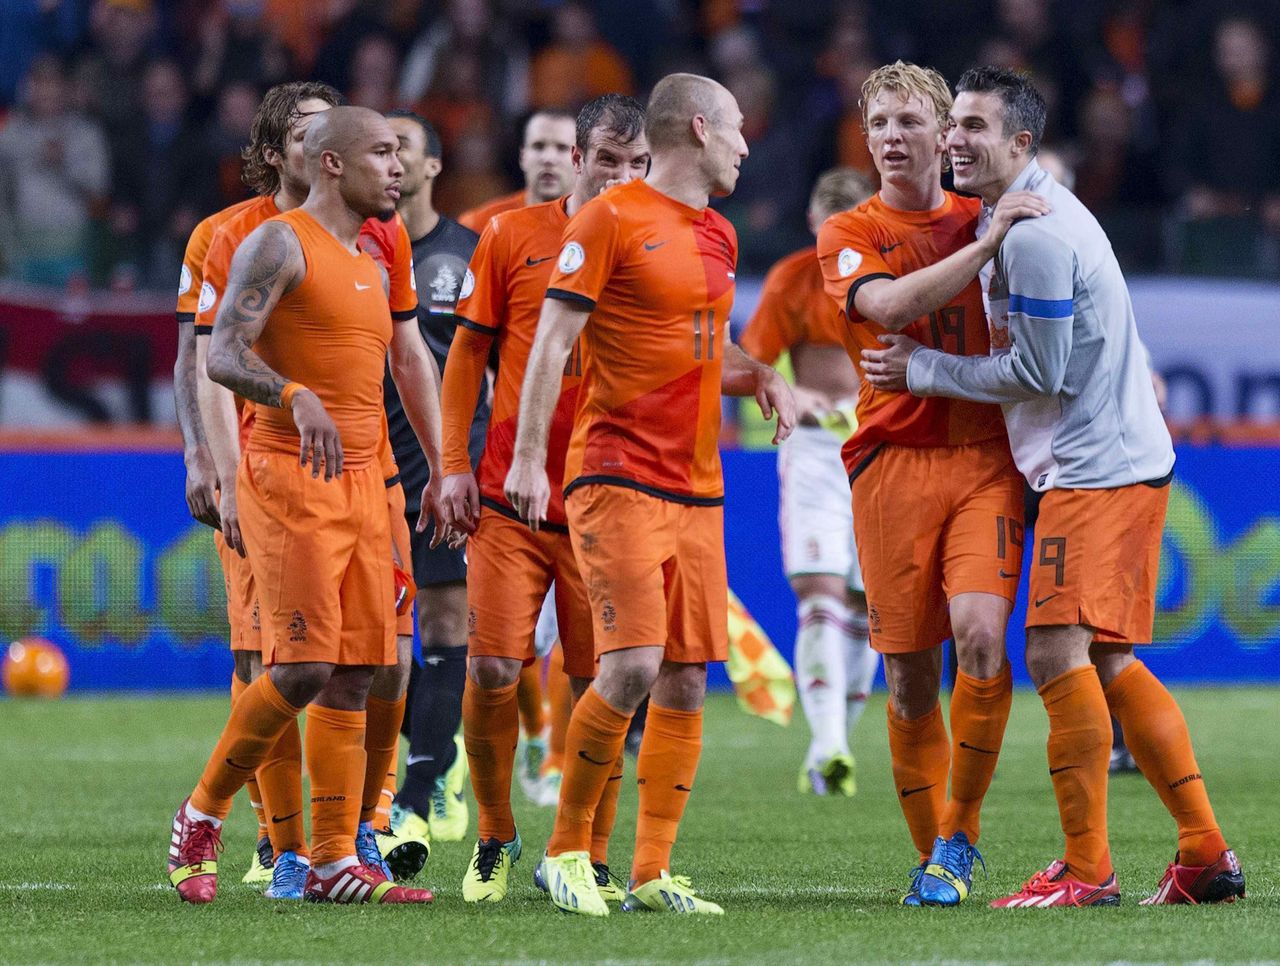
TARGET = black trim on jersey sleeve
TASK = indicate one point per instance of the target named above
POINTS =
(476, 326)
(392, 481)
(1160, 483)
(506, 511)
(581, 301)
(849, 310)
(648, 490)
(185, 318)
(404, 315)
(204, 330)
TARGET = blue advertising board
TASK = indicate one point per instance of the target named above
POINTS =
(98, 554)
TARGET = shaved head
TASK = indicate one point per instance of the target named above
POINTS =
(676, 100)
(344, 131)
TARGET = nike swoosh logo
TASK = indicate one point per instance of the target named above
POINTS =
(886, 249)
(414, 759)
(1054, 771)
(653, 248)
(361, 288)
(1044, 600)
(531, 261)
(681, 788)
(585, 757)
(981, 751)
(277, 821)
(1006, 576)
(239, 767)
(912, 791)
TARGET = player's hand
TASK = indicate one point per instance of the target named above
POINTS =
(774, 396)
(460, 499)
(528, 490)
(202, 490)
(811, 405)
(1012, 207)
(886, 369)
(320, 440)
(432, 508)
(230, 514)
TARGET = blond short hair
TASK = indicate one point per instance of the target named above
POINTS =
(840, 189)
(909, 80)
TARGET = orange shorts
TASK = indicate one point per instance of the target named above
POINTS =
(654, 571)
(1096, 561)
(509, 568)
(400, 540)
(242, 599)
(320, 554)
(932, 523)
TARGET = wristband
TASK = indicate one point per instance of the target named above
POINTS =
(290, 390)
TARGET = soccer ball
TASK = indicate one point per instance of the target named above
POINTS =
(35, 668)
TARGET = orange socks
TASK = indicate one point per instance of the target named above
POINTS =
(1157, 735)
(665, 768)
(921, 758)
(979, 713)
(251, 786)
(593, 745)
(1079, 752)
(280, 778)
(257, 719)
(533, 717)
(490, 728)
(381, 742)
(336, 761)
(560, 694)
(382, 817)
(606, 814)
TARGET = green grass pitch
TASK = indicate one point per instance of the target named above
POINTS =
(88, 787)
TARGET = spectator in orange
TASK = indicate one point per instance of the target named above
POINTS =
(578, 65)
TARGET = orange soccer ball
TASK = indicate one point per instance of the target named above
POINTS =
(35, 668)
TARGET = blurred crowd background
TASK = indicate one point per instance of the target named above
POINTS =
(121, 121)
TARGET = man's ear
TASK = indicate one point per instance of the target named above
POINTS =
(432, 167)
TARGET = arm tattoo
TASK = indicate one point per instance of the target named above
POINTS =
(184, 391)
(267, 265)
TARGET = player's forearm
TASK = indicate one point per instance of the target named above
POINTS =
(418, 382)
(464, 378)
(1033, 367)
(741, 375)
(558, 329)
(232, 363)
(218, 414)
(194, 442)
(896, 303)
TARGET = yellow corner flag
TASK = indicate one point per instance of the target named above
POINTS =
(761, 676)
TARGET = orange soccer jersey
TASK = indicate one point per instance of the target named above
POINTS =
(794, 308)
(875, 241)
(658, 278)
(191, 278)
(477, 218)
(502, 299)
(332, 339)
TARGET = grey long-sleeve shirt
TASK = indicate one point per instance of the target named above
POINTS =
(1066, 363)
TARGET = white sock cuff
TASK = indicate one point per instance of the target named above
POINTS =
(823, 607)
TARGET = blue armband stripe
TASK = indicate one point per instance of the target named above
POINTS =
(1041, 308)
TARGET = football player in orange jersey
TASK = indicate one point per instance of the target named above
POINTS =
(284, 106)
(277, 169)
(833, 662)
(546, 159)
(320, 543)
(937, 500)
(511, 568)
(645, 274)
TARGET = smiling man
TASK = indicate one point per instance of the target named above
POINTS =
(1072, 377)
(937, 503)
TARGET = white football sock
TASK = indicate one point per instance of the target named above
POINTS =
(328, 870)
(861, 663)
(820, 674)
(197, 816)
